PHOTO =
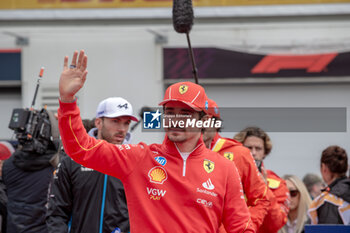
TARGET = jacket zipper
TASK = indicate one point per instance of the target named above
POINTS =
(184, 160)
(184, 168)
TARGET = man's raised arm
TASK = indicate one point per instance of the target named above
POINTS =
(118, 161)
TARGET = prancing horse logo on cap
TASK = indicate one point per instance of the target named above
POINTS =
(183, 89)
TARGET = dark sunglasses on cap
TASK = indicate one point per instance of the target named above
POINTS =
(293, 193)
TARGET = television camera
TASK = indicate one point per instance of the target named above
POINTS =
(32, 127)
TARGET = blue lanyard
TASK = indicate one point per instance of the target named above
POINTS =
(103, 203)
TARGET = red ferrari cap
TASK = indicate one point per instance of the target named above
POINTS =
(213, 109)
(189, 93)
(6, 150)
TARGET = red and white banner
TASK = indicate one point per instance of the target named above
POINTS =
(214, 63)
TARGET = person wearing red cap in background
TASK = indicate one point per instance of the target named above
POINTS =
(254, 186)
(260, 145)
(176, 186)
(6, 150)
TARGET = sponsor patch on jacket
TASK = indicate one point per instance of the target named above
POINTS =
(208, 165)
(199, 190)
(204, 202)
(155, 194)
(157, 175)
(273, 184)
(86, 169)
(161, 160)
(208, 185)
(116, 230)
(228, 155)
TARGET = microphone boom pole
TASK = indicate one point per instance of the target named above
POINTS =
(182, 22)
(194, 68)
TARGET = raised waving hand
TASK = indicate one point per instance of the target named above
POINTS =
(73, 76)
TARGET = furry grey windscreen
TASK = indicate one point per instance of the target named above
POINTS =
(182, 15)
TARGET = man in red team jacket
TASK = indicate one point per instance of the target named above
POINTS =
(254, 187)
(260, 145)
(176, 186)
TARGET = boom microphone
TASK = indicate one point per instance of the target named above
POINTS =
(183, 21)
(182, 16)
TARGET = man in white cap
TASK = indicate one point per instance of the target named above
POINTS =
(113, 117)
(78, 192)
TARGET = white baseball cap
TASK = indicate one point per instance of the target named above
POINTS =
(115, 107)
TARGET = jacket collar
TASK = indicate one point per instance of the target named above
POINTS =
(214, 141)
(171, 148)
(226, 142)
(334, 183)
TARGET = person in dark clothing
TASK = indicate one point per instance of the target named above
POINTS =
(332, 206)
(28, 172)
(6, 150)
(27, 176)
(93, 201)
(3, 206)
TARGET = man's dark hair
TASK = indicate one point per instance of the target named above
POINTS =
(256, 132)
(336, 159)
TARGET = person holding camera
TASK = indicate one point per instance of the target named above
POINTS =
(27, 175)
(93, 201)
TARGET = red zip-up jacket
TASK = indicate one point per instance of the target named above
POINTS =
(278, 194)
(254, 186)
(164, 192)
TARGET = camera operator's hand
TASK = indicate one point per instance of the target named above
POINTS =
(73, 77)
